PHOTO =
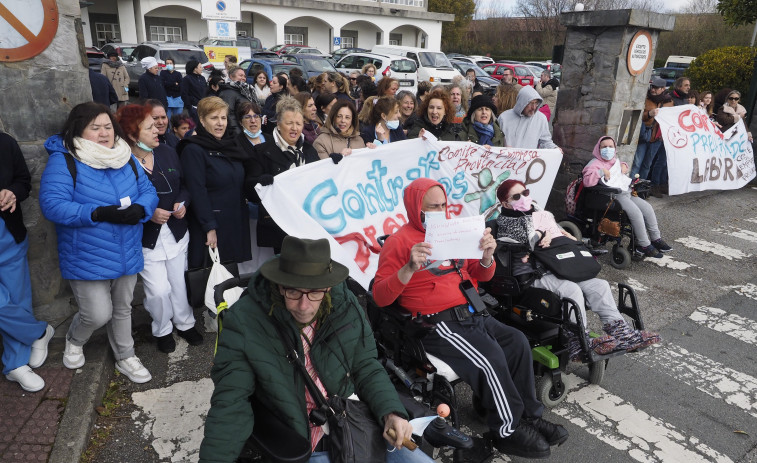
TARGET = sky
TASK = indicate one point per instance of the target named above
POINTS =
(672, 5)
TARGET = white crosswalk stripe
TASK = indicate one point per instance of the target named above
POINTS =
(748, 290)
(714, 248)
(733, 325)
(746, 235)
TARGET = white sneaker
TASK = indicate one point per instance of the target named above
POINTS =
(73, 356)
(39, 348)
(26, 378)
(133, 369)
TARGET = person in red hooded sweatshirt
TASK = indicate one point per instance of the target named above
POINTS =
(493, 358)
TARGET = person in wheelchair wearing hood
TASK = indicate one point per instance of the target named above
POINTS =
(520, 221)
(493, 358)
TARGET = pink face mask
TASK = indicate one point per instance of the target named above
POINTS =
(522, 204)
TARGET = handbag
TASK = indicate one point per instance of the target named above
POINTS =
(568, 259)
(196, 280)
(275, 438)
(219, 274)
(607, 226)
(354, 434)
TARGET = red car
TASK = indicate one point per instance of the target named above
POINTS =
(521, 73)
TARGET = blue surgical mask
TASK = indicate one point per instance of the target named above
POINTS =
(252, 135)
(142, 146)
(169, 67)
(392, 125)
(607, 153)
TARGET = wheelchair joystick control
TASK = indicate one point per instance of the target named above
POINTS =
(442, 410)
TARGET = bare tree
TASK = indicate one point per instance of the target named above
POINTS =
(700, 7)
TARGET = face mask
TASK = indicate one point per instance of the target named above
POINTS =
(432, 216)
(523, 204)
(169, 67)
(252, 135)
(607, 153)
(392, 125)
(142, 146)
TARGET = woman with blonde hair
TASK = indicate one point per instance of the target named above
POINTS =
(312, 127)
(383, 122)
(505, 98)
(341, 134)
(369, 70)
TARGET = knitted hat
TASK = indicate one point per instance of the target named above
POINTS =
(481, 101)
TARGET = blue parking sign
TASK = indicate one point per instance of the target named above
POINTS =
(337, 41)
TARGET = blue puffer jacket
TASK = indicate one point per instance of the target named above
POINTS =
(90, 250)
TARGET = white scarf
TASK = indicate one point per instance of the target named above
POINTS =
(98, 156)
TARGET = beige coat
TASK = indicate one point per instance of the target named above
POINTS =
(548, 94)
(330, 142)
(119, 78)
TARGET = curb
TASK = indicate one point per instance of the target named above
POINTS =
(87, 390)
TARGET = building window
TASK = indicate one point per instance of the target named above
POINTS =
(395, 39)
(348, 42)
(165, 33)
(107, 33)
(418, 3)
(294, 39)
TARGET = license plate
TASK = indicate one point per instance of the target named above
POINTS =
(406, 83)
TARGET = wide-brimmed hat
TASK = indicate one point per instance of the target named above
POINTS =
(481, 101)
(304, 264)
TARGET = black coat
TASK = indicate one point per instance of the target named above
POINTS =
(14, 176)
(166, 178)
(269, 159)
(151, 86)
(169, 138)
(102, 90)
(193, 89)
(216, 185)
(232, 96)
(269, 110)
(172, 83)
(368, 132)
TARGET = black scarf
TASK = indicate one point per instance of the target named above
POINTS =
(437, 130)
(680, 94)
(663, 97)
(227, 145)
(516, 225)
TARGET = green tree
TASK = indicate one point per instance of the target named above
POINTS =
(729, 67)
(738, 12)
(453, 32)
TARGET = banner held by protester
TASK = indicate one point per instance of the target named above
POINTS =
(700, 156)
(355, 202)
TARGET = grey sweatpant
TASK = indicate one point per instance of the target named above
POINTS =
(594, 293)
(642, 217)
(104, 302)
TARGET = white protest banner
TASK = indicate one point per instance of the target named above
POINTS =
(700, 156)
(360, 199)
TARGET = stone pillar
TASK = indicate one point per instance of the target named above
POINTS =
(598, 93)
(127, 21)
(38, 94)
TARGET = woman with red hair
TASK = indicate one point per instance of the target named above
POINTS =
(435, 116)
(164, 238)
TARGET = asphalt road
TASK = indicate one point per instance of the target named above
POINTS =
(692, 398)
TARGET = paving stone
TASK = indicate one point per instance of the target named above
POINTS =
(16, 411)
(26, 453)
(43, 424)
(57, 381)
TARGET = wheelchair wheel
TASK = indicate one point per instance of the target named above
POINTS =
(597, 371)
(620, 258)
(549, 393)
(571, 228)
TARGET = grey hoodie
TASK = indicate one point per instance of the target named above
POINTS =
(522, 131)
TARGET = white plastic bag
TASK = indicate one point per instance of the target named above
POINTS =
(219, 274)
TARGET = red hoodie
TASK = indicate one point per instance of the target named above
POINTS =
(428, 291)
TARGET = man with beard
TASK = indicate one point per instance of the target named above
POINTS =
(650, 138)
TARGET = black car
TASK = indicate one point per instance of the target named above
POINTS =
(312, 64)
(342, 52)
(487, 82)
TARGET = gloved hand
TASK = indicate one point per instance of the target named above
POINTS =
(132, 214)
(129, 216)
(266, 179)
(336, 157)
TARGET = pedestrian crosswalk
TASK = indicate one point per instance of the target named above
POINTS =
(734, 325)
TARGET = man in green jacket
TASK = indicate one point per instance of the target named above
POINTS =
(305, 291)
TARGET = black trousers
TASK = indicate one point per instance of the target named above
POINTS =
(495, 360)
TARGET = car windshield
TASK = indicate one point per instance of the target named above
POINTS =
(285, 68)
(403, 65)
(126, 51)
(183, 56)
(319, 65)
(434, 59)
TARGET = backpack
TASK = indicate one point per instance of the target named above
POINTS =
(71, 164)
(571, 195)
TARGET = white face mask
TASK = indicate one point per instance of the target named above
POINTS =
(392, 125)
(431, 216)
(607, 153)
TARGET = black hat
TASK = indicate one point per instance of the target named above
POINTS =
(304, 264)
(111, 54)
(481, 101)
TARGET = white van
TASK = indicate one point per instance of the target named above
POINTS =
(397, 67)
(681, 62)
(433, 66)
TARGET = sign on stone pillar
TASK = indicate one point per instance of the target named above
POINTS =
(43, 76)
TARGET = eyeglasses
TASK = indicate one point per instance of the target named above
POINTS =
(296, 294)
(517, 196)
(353, 78)
(734, 98)
(248, 117)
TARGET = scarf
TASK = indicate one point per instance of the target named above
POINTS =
(227, 146)
(243, 88)
(485, 132)
(98, 156)
(516, 225)
(294, 151)
(114, 64)
(437, 130)
(663, 97)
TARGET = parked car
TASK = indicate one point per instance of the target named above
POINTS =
(180, 53)
(312, 64)
(481, 60)
(252, 43)
(342, 52)
(669, 74)
(509, 61)
(283, 49)
(95, 58)
(123, 49)
(486, 81)
(398, 67)
(535, 71)
(304, 51)
(554, 68)
(270, 66)
(264, 54)
(433, 66)
(521, 72)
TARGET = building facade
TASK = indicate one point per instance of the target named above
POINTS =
(360, 23)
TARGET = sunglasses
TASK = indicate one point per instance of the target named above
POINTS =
(353, 78)
(517, 196)
(734, 98)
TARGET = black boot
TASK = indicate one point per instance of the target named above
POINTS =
(166, 343)
(525, 442)
(553, 433)
(192, 336)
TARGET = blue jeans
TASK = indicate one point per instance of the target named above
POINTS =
(392, 456)
(643, 159)
(659, 174)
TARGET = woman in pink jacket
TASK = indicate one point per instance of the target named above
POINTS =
(606, 169)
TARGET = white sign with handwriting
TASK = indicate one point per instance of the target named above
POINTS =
(455, 238)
